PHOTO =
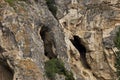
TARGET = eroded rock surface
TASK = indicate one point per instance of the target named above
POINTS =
(80, 32)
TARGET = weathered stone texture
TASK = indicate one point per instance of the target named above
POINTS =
(30, 34)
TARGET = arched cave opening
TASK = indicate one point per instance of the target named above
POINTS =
(82, 50)
(48, 42)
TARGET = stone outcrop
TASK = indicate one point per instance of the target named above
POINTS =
(80, 32)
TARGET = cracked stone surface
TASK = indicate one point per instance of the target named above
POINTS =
(30, 35)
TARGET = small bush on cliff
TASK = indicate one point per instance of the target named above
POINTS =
(11, 2)
(54, 66)
(117, 44)
(52, 7)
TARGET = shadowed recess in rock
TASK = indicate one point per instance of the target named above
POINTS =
(48, 42)
(82, 50)
(5, 72)
(2, 50)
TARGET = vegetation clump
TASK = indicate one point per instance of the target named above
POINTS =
(52, 7)
(11, 2)
(54, 66)
(117, 44)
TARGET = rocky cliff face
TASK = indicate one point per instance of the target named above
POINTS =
(79, 32)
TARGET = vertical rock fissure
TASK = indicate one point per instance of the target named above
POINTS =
(48, 43)
(82, 50)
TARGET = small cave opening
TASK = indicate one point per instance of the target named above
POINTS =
(82, 50)
(2, 50)
(6, 73)
(48, 42)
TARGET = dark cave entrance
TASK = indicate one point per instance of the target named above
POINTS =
(6, 73)
(48, 42)
(82, 50)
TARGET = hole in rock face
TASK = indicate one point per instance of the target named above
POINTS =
(82, 50)
(5, 72)
(48, 42)
(2, 50)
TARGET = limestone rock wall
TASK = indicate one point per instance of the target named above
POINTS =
(81, 34)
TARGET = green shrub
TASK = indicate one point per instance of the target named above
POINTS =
(117, 44)
(69, 76)
(10, 1)
(52, 7)
(54, 66)
(117, 39)
(117, 65)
